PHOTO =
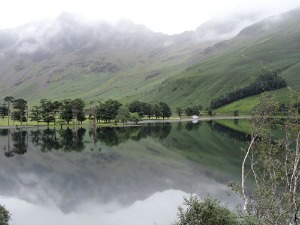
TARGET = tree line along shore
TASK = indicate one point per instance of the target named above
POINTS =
(16, 112)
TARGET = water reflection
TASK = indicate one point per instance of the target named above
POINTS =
(73, 139)
(230, 132)
(192, 125)
(19, 144)
(113, 136)
(61, 177)
(159, 209)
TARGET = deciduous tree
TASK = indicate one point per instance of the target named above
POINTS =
(46, 111)
(148, 110)
(78, 109)
(110, 109)
(179, 111)
(36, 114)
(273, 166)
(156, 111)
(165, 110)
(20, 105)
(3, 111)
(123, 114)
(137, 107)
(66, 110)
(9, 100)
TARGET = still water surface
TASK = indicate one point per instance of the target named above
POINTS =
(114, 176)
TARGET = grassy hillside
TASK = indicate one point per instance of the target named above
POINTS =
(271, 45)
(95, 62)
(129, 62)
(247, 105)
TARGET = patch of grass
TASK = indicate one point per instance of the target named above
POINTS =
(243, 106)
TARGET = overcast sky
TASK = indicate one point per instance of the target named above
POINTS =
(167, 16)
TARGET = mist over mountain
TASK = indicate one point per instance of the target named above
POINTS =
(69, 57)
(225, 27)
(71, 31)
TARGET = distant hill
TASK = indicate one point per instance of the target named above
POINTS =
(68, 58)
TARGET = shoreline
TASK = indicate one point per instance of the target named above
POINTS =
(199, 119)
(132, 123)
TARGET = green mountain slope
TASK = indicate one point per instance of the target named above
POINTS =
(68, 58)
(271, 45)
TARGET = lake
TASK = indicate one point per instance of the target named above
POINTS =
(115, 176)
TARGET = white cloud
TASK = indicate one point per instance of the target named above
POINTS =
(168, 16)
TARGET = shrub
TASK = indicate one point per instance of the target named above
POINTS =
(4, 215)
(206, 212)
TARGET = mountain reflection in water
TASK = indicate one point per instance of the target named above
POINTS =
(110, 172)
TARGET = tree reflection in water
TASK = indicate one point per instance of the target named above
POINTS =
(19, 139)
(72, 139)
(113, 136)
(193, 126)
(69, 140)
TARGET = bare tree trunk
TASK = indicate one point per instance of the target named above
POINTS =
(21, 119)
(8, 112)
(243, 172)
(295, 176)
(27, 116)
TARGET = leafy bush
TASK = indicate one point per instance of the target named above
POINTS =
(210, 212)
(4, 215)
(206, 212)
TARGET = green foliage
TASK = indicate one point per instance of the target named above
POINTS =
(80, 117)
(123, 114)
(46, 111)
(9, 100)
(107, 111)
(70, 109)
(206, 212)
(66, 112)
(78, 109)
(3, 111)
(165, 110)
(179, 111)
(156, 110)
(266, 82)
(36, 114)
(148, 110)
(274, 166)
(137, 107)
(5, 216)
(135, 117)
(194, 110)
(20, 105)
(235, 113)
(210, 112)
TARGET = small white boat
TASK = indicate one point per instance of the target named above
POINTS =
(195, 117)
